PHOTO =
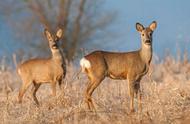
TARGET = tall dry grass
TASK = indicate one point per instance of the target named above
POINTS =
(166, 99)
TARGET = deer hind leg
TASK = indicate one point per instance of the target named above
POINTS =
(23, 89)
(87, 98)
(90, 89)
(36, 87)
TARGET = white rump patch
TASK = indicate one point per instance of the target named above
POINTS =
(84, 63)
(19, 71)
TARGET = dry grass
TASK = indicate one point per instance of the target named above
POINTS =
(166, 99)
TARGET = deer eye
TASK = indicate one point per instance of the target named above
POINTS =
(142, 34)
(150, 34)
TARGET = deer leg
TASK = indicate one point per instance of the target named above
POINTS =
(60, 81)
(87, 98)
(131, 94)
(139, 96)
(23, 89)
(92, 87)
(36, 87)
(53, 86)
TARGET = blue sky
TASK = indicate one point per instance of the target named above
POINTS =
(173, 17)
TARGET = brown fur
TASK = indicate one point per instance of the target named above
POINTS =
(127, 65)
(38, 71)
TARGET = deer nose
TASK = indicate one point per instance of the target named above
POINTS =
(147, 41)
(54, 46)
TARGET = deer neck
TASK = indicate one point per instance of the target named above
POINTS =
(146, 53)
(57, 56)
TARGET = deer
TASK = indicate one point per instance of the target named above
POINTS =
(38, 71)
(130, 66)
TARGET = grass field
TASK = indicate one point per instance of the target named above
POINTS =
(166, 99)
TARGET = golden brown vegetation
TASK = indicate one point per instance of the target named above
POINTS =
(166, 99)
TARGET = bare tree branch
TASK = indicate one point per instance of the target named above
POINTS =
(76, 31)
(37, 9)
(80, 19)
(63, 19)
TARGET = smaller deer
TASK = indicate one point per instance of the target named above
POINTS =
(38, 71)
(127, 65)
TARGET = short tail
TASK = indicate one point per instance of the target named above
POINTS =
(84, 63)
(18, 69)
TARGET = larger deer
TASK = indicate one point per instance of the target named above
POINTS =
(127, 65)
(38, 71)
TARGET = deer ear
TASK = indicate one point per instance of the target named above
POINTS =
(47, 34)
(59, 33)
(153, 25)
(139, 27)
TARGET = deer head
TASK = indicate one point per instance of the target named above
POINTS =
(53, 38)
(146, 33)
